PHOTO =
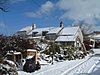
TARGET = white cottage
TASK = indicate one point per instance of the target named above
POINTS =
(70, 36)
(39, 33)
(48, 33)
(63, 35)
(25, 31)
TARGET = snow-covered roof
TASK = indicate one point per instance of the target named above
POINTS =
(31, 50)
(54, 30)
(16, 53)
(69, 31)
(65, 38)
(27, 28)
(40, 30)
(36, 37)
(29, 57)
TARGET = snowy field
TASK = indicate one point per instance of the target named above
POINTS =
(85, 66)
(96, 70)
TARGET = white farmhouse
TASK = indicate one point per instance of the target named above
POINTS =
(39, 33)
(63, 35)
(70, 36)
(25, 31)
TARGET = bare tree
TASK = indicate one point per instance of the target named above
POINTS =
(86, 28)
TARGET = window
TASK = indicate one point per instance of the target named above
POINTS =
(70, 43)
(44, 33)
(34, 34)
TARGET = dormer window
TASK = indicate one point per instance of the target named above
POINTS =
(44, 33)
(34, 34)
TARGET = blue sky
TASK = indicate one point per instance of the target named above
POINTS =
(16, 18)
(48, 13)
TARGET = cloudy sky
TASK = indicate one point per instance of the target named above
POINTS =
(48, 13)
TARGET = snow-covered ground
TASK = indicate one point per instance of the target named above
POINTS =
(84, 67)
(55, 69)
(96, 70)
(88, 65)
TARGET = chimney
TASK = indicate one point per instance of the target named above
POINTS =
(61, 24)
(33, 26)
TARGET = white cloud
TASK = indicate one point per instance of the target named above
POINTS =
(82, 10)
(44, 9)
(15, 1)
(77, 10)
(2, 25)
(31, 14)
